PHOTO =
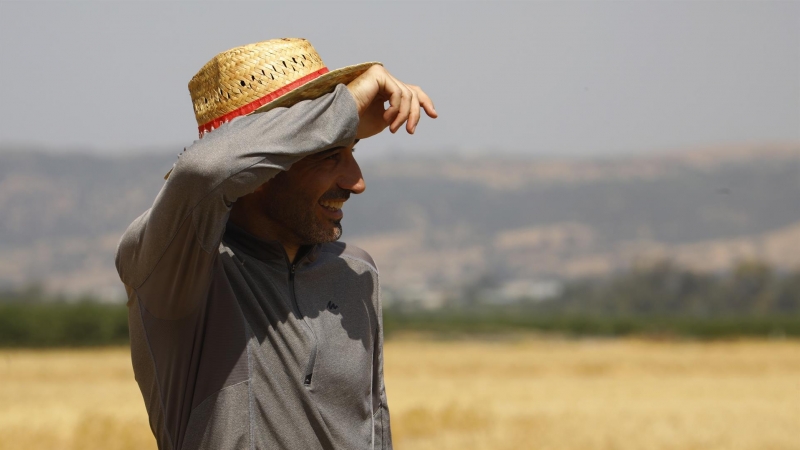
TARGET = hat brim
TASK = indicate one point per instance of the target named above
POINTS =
(318, 86)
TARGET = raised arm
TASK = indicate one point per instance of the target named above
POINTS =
(166, 255)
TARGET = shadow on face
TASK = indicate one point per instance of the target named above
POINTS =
(303, 205)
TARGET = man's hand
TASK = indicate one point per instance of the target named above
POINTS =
(374, 87)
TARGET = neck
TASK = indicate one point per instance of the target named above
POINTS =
(264, 229)
(291, 250)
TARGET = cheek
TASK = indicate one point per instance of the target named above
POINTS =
(281, 188)
(287, 200)
(300, 190)
(292, 202)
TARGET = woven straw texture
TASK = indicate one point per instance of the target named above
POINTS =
(241, 79)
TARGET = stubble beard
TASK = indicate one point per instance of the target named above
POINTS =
(315, 233)
(307, 227)
(296, 213)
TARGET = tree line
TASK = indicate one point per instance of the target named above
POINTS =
(662, 299)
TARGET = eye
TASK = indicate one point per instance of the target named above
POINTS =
(333, 157)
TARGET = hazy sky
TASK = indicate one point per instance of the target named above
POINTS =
(543, 78)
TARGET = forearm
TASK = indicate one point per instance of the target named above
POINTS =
(241, 155)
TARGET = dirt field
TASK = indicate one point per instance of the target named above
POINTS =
(507, 394)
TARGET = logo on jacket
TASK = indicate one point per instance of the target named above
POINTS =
(332, 306)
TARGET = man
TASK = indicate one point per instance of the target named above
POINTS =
(251, 328)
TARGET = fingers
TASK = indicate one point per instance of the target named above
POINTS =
(413, 116)
(425, 102)
(395, 93)
(405, 108)
(405, 101)
(416, 98)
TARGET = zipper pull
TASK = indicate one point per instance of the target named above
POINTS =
(292, 269)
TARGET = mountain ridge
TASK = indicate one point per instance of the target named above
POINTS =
(432, 223)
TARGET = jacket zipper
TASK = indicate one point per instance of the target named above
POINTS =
(313, 357)
(295, 306)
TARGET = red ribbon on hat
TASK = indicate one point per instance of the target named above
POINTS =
(254, 105)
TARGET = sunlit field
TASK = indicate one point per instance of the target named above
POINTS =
(508, 393)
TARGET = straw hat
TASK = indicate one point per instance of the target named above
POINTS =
(258, 77)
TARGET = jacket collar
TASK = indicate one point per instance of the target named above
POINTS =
(268, 251)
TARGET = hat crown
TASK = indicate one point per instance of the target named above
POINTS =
(245, 75)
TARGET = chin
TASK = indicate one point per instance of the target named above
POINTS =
(323, 235)
(336, 233)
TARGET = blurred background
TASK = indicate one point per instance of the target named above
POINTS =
(596, 245)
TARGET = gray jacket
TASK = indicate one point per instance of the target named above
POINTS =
(232, 346)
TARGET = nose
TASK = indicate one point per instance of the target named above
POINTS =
(351, 178)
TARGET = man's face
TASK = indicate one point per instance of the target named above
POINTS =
(303, 205)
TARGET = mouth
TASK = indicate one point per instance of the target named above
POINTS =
(332, 205)
(333, 208)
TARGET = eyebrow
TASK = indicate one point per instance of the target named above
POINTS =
(335, 149)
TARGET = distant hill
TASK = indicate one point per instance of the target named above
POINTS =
(438, 222)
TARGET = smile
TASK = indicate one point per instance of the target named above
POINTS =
(332, 205)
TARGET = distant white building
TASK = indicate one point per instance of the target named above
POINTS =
(525, 289)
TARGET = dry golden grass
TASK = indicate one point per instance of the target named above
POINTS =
(589, 394)
(507, 394)
(71, 400)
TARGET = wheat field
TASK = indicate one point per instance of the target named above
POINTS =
(509, 393)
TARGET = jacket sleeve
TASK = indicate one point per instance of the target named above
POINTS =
(167, 254)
